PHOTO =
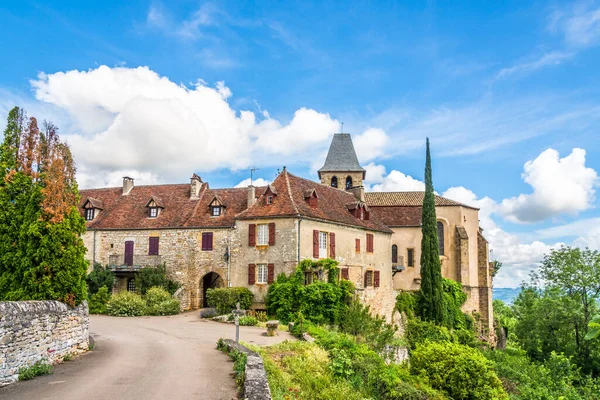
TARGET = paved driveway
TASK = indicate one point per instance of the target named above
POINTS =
(146, 358)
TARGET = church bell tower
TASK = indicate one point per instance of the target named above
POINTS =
(341, 169)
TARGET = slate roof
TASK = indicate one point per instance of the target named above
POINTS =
(389, 199)
(341, 156)
(291, 201)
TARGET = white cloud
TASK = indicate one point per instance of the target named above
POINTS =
(396, 181)
(255, 182)
(551, 58)
(560, 186)
(370, 144)
(133, 119)
(375, 173)
(579, 23)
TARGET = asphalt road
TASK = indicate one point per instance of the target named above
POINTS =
(145, 358)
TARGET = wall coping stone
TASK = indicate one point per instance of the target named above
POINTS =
(256, 385)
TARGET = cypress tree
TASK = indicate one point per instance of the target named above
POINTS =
(431, 299)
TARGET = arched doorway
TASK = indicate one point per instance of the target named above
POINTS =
(210, 281)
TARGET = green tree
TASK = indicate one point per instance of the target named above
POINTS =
(431, 299)
(100, 276)
(42, 253)
(155, 277)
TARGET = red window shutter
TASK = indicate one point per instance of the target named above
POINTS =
(272, 234)
(209, 241)
(376, 279)
(270, 273)
(357, 245)
(315, 243)
(251, 274)
(153, 246)
(365, 285)
(345, 274)
(369, 243)
(332, 245)
(252, 235)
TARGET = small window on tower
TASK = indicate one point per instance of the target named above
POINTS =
(334, 182)
(348, 182)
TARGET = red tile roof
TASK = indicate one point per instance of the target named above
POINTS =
(291, 201)
(398, 216)
(402, 199)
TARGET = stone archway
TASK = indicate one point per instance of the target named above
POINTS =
(209, 281)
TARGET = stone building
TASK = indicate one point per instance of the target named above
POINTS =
(247, 236)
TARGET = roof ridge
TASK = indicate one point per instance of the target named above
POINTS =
(289, 188)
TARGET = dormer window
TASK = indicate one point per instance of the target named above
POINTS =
(311, 197)
(359, 210)
(91, 208)
(215, 211)
(270, 199)
(216, 206)
(154, 205)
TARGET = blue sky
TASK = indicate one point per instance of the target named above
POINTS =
(160, 90)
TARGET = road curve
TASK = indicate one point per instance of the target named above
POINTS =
(145, 358)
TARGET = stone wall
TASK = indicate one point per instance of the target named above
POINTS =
(31, 331)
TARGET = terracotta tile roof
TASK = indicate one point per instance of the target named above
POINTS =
(395, 216)
(94, 203)
(130, 212)
(290, 201)
(407, 199)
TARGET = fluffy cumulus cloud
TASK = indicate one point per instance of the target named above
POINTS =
(395, 181)
(136, 121)
(255, 182)
(560, 186)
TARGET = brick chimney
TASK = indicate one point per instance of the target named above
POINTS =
(195, 186)
(251, 195)
(358, 192)
(127, 185)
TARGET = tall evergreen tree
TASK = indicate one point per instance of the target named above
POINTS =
(41, 250)
(432, 297)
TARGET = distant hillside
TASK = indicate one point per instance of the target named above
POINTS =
(507, 295)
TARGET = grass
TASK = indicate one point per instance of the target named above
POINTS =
(41, 367)
(68, 357)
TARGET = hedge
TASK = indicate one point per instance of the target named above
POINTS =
(225, 299)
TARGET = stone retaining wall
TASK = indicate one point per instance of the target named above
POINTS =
(256, 386)
(39, 330)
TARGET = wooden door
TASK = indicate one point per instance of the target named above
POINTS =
(129, 253)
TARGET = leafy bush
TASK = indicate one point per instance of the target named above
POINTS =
(99, 300)
(99, 277)
(155, 277)
(225, 299)
(261, 316)
(368, 328)
(248, 321)
(41, 367)
(160, 302)
(406, 303)
(126, 304)
(454, 298)
(460, 371)
(418, 332)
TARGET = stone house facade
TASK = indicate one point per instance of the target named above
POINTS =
(247, 236)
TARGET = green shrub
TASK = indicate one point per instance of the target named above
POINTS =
(225, 299)
(261, 316)
(155, 277)
(418, 332)
(99, 277)
(406, 303)
(462, 372)
(247, 320)
(160, 302)
(41, 367)
(371, 329)
(126, 304)
(99, 300)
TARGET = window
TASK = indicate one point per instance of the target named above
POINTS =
(440, 233)
(153, 246)
(153, 212)
(269, 199)
(131, 285)
(89, 214)
(322, 244)
(357, 245)
(369, 242)
(369, 278)
(263, 234)
(262, 273)
(215, 211)
(348, 182)
(207, 241)
(308, 278)
(334, 182)
(394, 254)
(411, 257)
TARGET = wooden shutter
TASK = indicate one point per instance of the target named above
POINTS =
(207, 241)
(153, 246)
(252, 235)
(394, 254)
(357, 245)
(272, 234)
(315, 243)
(375, 278)
(332, 245)
(369, 243)
(366, 273)
(270, 273)
(251, 274)
(346, 274)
